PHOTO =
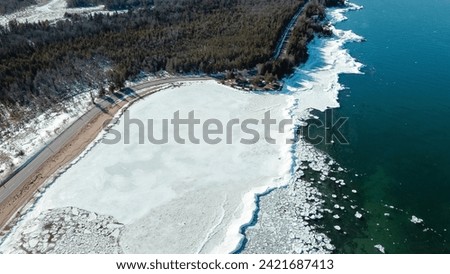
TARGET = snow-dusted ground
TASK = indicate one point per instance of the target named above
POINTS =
(20, 143)
(197, 198)
(71, 229)
(50, 10)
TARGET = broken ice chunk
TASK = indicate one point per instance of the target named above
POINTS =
(416, 220)
(380, 248)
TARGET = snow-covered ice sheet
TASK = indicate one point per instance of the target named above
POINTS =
(50, 10)
(177, 198)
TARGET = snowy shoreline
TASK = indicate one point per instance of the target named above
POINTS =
(314, 86)
(20, 144)
(222, 91)
(299, 98)
(52, 11)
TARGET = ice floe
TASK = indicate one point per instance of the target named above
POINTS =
(380, 248)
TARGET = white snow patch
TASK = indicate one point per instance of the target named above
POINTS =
(380, 248)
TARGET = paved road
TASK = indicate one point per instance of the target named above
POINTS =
(282, 43)
(16, 179)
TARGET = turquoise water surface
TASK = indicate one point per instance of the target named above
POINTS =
(399, 126)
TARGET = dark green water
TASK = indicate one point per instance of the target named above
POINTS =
(399, 126)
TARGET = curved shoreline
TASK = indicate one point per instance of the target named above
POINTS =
(237, 210)
(307, 94)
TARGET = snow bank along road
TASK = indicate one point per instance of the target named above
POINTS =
(23, 177)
